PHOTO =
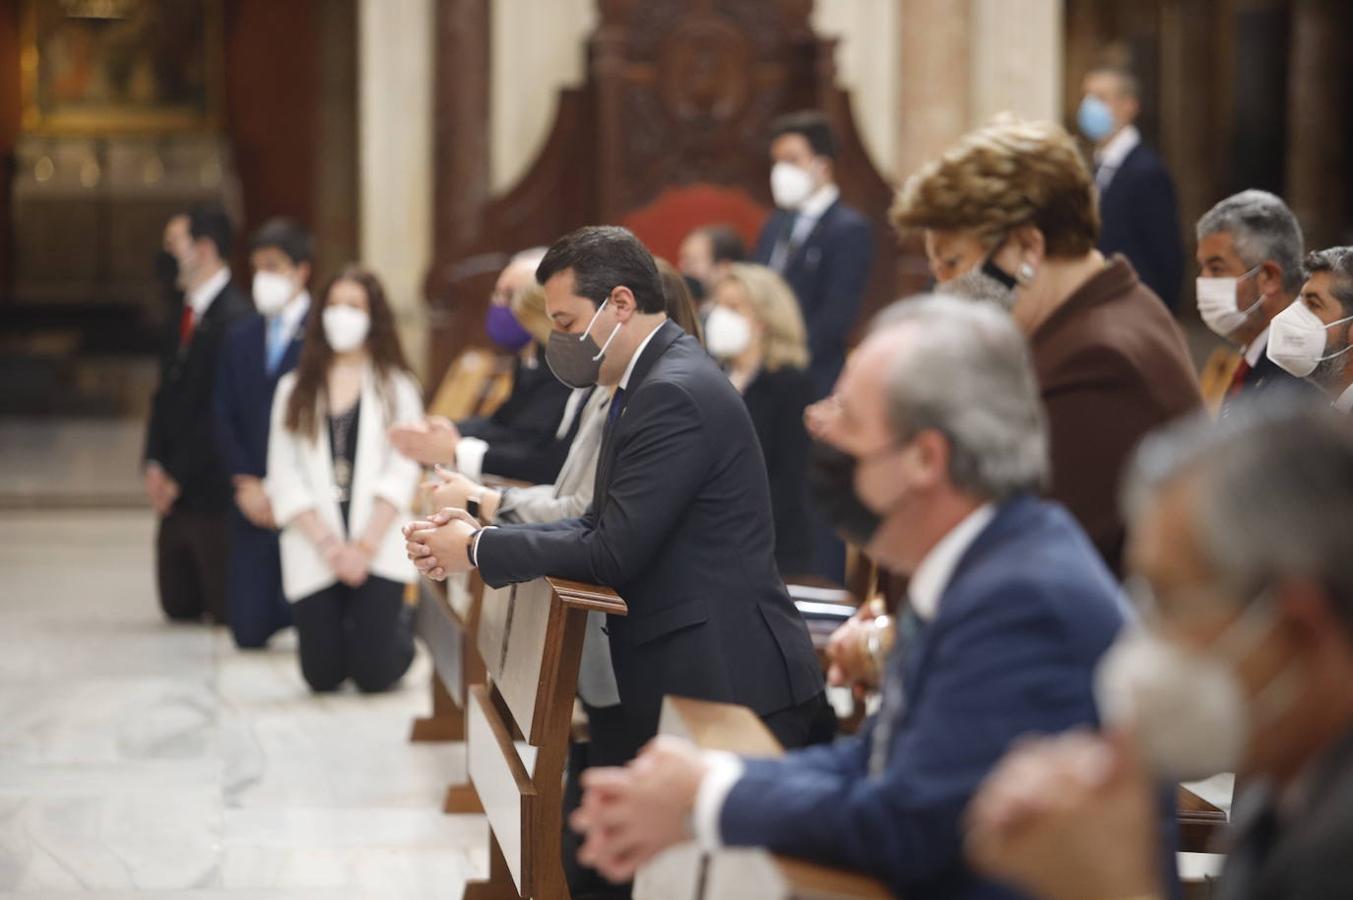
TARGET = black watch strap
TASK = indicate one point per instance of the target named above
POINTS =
(469, 545)
(472, 506)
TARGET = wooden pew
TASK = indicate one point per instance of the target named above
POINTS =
(684, 873)
(475, 385)
(517, 728)
(447, 622)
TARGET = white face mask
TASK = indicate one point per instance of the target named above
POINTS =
(727, 334)
(345, 327)
(1219, 304)
(1188, 708)
(272, 291)
(790, 185)
(1296, 339)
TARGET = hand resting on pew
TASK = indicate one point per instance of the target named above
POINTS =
(429, 442)
(1069, 817)
(439, 545)
(629, 815)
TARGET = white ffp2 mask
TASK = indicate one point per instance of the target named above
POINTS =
(272, 290)
(790, 185)
(345, 328)
(727, 334)
(1296, 339)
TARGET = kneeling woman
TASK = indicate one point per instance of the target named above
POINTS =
(338, 488)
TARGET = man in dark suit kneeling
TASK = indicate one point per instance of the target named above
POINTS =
(680, 524)
(937, 445)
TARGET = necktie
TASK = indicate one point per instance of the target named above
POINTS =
(277, 343)
(1238, 378)
(186, 323)
(909, 627)
(613, 414)
(784, 247)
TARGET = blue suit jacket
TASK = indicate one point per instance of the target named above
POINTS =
(680, 526)
(1011, 652)
(828, 272)
(1140, 219)
(244, 392)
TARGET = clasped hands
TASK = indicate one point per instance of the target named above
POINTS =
(629, 815)
(429, 442)
(439, 545)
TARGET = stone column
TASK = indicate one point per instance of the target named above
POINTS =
(934, 105)
(1016, 59)
(395, 75)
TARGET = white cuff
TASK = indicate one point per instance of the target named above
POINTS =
(470, 456)
(474, 546)
(724, 771)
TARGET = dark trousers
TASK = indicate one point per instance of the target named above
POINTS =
(615, 738)
(255, 605)
(363, 633)
(190, 565)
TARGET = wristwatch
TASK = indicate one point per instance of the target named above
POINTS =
(472, 505)
(469, 546)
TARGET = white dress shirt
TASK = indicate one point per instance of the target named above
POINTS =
(1109, 158)
(806, 219)
(927, 585)
(1256, 348)
(1344, 402)
(200, 298)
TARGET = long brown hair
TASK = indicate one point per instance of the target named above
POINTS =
(382, 343)
(680, 304)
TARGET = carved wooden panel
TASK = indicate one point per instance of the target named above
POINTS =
(679, 93)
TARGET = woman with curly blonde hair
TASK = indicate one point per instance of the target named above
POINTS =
(1009, 215)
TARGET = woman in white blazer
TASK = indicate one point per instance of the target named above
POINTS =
(338, 489)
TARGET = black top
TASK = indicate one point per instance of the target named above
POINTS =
(680, 527)
(343, 440)
(181, 434)
(776, 401)
(521, 432)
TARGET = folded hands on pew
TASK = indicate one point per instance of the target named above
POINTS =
(857, 650)
(629, 815)
(431, 441)
(439, 545)
(1069, 817)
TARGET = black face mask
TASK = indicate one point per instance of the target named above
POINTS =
(831, 486)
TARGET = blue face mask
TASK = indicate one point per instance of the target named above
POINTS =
(1094, 119)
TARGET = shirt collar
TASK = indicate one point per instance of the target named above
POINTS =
(1344, 402)
(201, 298)
(294, 312)
(1257, 347)
(1119, 146)
(634, 360)
(819, 202)
(935, 572)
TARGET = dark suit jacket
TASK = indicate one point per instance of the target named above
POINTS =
(1112, 365)
(244, 392)
(680, 527)
(181, 435)
(828, 272)
(1140, 219)
(1265, 376)
(1309, 857)
(776, 401)
(1011, 651)
(520, 433)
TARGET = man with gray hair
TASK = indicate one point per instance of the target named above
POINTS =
(938, 446)
(1249, 265)
(1242, 544)
(1312, 337)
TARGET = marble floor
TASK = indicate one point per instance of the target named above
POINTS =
(143, 759)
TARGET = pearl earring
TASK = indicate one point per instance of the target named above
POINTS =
(1025, 273)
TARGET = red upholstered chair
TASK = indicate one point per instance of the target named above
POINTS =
(676, 211)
